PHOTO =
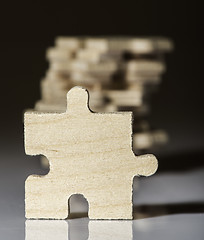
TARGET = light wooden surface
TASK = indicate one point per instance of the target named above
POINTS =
(90, 154)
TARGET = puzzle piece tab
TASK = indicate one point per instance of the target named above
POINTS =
(90, 154)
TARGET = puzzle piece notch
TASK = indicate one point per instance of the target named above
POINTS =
(89, 154)
(78, 101)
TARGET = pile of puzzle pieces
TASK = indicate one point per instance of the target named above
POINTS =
(120, 74)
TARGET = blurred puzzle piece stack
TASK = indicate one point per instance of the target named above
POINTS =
(120, 74)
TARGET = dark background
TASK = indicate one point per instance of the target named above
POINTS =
(28, 28)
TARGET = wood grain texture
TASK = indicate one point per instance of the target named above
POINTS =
(90, 154)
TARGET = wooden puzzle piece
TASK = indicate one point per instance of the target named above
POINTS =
(146, 67)
(123, 98)
(162, 44)
(53, 91)
(89, 55)
(89, 79)
(133, 79)
(44, 106)
(99, 44)
(86, 67)
(134, 45)
(70, 43)
(89, 154)
(148, 139)
(64, 66)
(58, 54)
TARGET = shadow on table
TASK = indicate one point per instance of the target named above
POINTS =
(155, 210)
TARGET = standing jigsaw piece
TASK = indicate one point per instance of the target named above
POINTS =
(90, 154)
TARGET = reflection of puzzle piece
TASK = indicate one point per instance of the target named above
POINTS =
(89, 154)
(78, 229)
(108, 230)
(46, 229)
